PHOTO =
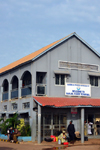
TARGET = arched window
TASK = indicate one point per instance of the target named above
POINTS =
(14, 91)
(26, 84)
(5, 86)
(26, 78)
(14, 82)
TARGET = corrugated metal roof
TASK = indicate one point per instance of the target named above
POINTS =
(36, 54)
(65, 101)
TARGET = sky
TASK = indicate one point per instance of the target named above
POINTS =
(28, 25)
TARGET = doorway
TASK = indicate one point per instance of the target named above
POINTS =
(94, 119)
(53, 124)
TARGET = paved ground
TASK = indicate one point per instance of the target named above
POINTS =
(91, 144)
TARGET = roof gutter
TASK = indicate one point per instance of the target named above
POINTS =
(16, 67)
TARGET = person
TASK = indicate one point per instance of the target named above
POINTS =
(15, 135)
(63, 137)
(11, 134)
(89, 128)
(85, 128)
(95, 128)
(71, 132)
(8, 134)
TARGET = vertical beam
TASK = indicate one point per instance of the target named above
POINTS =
(43, 126)
(1, 93)
(19, 88)
(82, 125)
(51, 123)
(9, 91)
(39, 124)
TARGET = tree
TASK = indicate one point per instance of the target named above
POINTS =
(10, 122)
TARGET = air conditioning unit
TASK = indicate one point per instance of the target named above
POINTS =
(41, 90)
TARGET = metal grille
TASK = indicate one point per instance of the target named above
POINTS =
(26, 105)
(5, 108)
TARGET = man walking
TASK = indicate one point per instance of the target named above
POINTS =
(71, 132)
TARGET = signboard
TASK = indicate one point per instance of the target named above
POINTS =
(76, 89)
(73, 110)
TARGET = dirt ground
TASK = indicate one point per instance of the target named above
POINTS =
(91, 144)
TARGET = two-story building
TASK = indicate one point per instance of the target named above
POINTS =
(51, 86)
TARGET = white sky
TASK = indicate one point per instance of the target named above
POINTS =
(28, 25)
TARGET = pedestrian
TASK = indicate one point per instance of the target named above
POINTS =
(8, 134)
(71, 132)
(15, 135)
(85, 128)
(89, 127)
(11, 134)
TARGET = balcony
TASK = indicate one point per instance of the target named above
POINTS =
(26, 90)
(14, 94)
(41, 89)
(5, 96)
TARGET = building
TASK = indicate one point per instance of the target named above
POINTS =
(50, 87)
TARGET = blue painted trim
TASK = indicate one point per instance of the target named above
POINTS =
(20, 138)
(25, 138)
(3, 136)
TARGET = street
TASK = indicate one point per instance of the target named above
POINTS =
(91, 144)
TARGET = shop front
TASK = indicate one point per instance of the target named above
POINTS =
(53, 122)
(54, 114)
(92, 119)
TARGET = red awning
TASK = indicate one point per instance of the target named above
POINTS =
(66, 102)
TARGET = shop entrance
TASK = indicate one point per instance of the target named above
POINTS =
(53, 123)
(94, 121)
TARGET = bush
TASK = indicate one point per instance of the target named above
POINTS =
(26, 130)
(10, 122)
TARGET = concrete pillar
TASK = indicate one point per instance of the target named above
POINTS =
(7, 116)
(39, 124)
(19, 88)
(82, 125)
(1, 93)
(9, 91)
(32, 86)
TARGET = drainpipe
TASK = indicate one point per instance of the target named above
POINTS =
(39, 124)
(82, 125)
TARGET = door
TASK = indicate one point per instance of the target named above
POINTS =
(52, 123)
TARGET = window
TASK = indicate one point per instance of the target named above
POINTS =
(26, 105)
(5, 108)
(41, 77)
(94, 81)
(14, 106)
(59, 79)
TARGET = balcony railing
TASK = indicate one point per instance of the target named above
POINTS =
(41, 89)
(26, 90)
(14, 93)
(5, 96)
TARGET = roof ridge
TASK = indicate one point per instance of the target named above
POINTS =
(38, 53)
(30, 56)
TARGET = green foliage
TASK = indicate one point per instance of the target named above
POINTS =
(11, 122)
(22, 123)
(15, 123)
(26, 130)
(3, 127)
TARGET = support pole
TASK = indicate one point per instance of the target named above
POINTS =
(82, 125)
(39, 124)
